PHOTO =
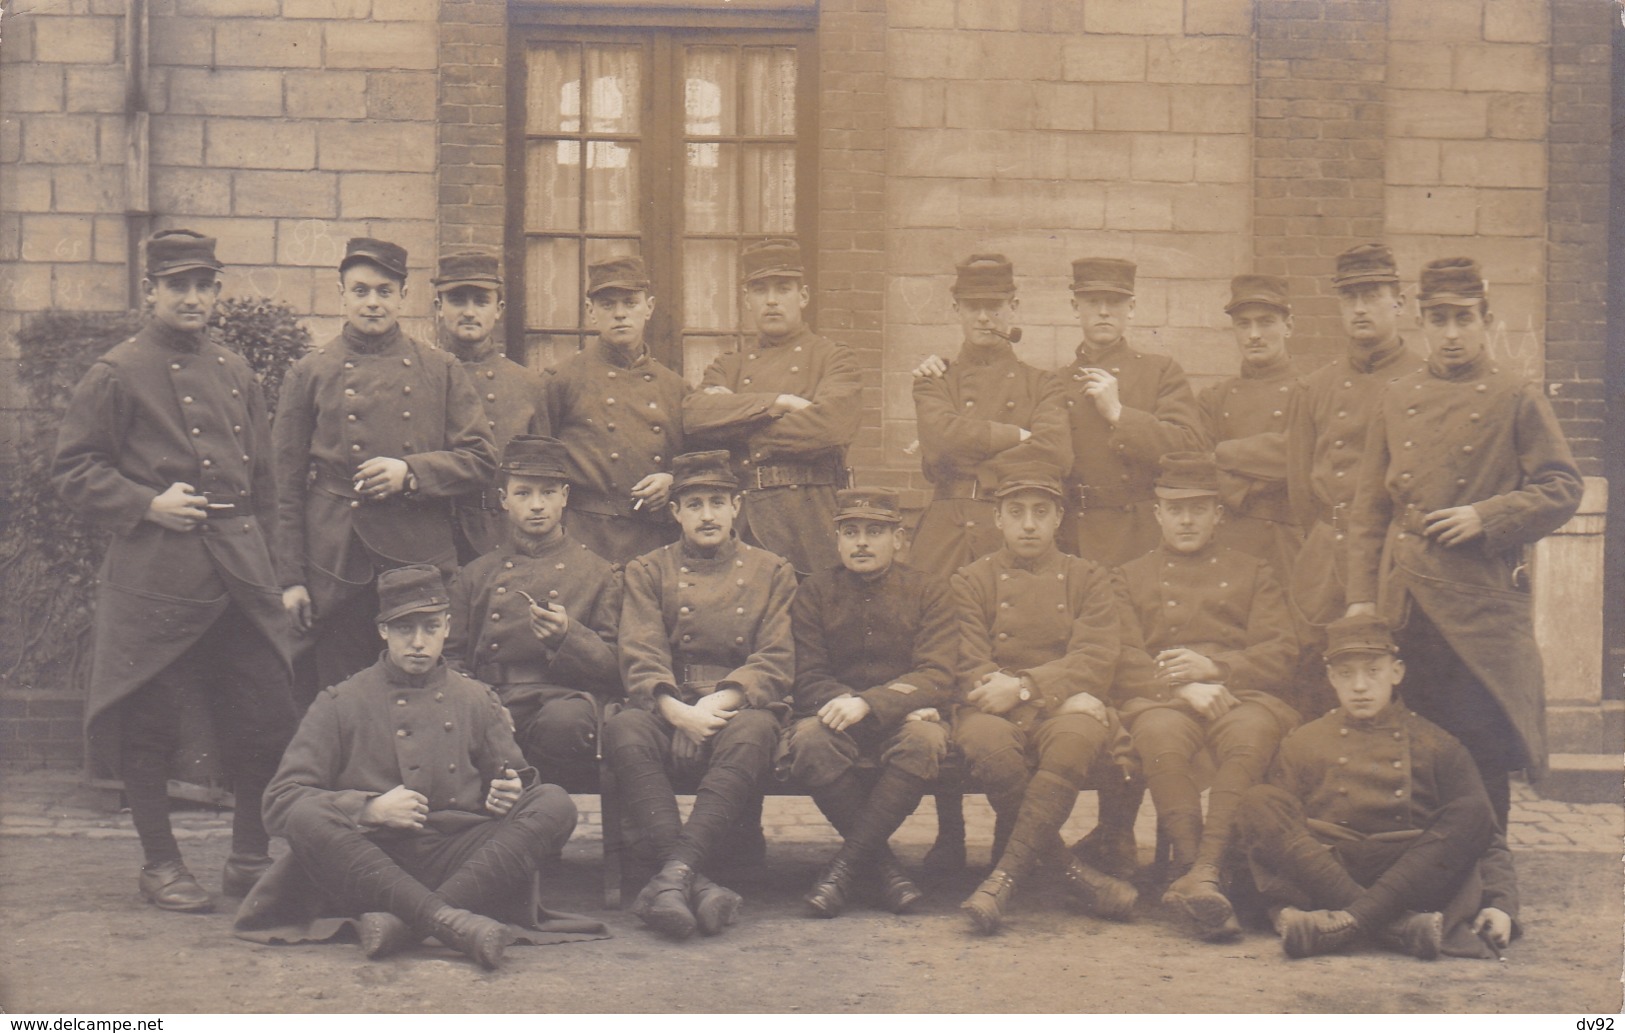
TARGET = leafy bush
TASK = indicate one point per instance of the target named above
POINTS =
(48, 556)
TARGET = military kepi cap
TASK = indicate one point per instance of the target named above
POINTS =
(1187, 475)
(1029, 477)
(176, 251)
(473, 268)
(417, 588)
(1112, 275)
(703, 470)
(1366, 263)
(1358, 635)
(779, 256)
(533, 455)
(1450, 281)
(391, 258)
(985, 276)
(1258, 289)
(625, 272)
(868, 504)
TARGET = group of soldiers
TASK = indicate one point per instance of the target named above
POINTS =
(1117, 585)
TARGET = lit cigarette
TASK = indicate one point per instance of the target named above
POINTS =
(637, 505)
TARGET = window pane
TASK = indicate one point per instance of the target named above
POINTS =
(769, 91)
(552, 185)
(710, 279)
(698, 351)
(612, 186)
(710, 188)
(614, 98)
(552, 282)
(600, 248)
(553, 89)
(770, 189)
(708, 95)
(544, 351)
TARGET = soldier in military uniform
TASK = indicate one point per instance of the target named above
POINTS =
(1208, 657)
(1245, 419)
(1127, 410)
(468, 299)
(1465, 466)
(1038, 643)
(1373, 824)
(1326, 430)
(707, 657)
(876, 653)
(165, 444)
(374, 434)
(406, 805)
(786, 407)
(619, 413)
(536, 618)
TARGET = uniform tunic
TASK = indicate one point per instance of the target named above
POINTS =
(1245, 417)
(1222, 603)
(969, 421)
(159, 408)
(515, 402)
(621, 419)
(350, 400)
(1109, 491)
(791, 466)
(1326, 428)
(1475, 436)
(689, 622)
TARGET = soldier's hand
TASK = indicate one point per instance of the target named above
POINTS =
(1102, 387)
(843, 712)
(933, 366)
(925, 714)
(178, 508)
(296, 601)
(1179, 665)
(696, 723)
(1494, 927)
(381, 477)
(653, 490)
(1454, 526)
(996, 693)
(1207, 699)
(1361, 610)
(400, 808)
(786, 404)
(1083, 703)
(504, 792)
(549, 623)
(685, 750)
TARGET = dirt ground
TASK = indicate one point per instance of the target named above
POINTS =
(74, 937)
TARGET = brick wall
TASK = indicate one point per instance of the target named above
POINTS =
(1319, 117)
(472, 113)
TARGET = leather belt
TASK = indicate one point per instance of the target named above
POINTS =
(338, 487)
(1413, 519)
(689, 674)
(1337, 518)
(1086, 498)
(796, 475)
(960, 488)
(591, 500)
(237, 505)
(518, 673)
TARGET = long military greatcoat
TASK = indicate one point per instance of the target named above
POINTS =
(160, 408)
(515, 402)
(1482, 437)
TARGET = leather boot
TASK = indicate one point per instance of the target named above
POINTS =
(663, 903)
(1419, 934)
(1306, 933)
(480, 938)
(986, 905)
(1096, 892)
(1198, 893)
(170, 886)
(897, 890)
(947, 853)
(1184, 831)
(715, 907)
(1110, 845)
(383, 934)
(827, 898)
(241, 872)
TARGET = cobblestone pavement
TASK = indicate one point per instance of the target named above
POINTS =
(48, 803)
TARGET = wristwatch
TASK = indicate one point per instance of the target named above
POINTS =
(1026, 693)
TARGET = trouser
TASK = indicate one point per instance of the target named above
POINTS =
(1168, 739)
(1290, 865)
(1112, 535)
(730, 767)
(485, 866)
(797, 523)
(347, 639)
(557, 730)
(815, 755)
(1441, 687)
(242, 679)
(619, 539)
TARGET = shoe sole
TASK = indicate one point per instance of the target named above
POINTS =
(1423, 940)
(904, 904)
(184, 909)
(985, 923)
(1214, 917)
(715, 915)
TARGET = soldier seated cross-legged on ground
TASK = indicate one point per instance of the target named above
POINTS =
(537, 617)
(707, 657)
(1373, 824)
(1038, 642)
(876, 647)
(408, 809)
(1208, 652)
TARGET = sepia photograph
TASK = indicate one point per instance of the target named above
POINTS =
(811, 507)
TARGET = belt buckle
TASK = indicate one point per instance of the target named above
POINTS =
(1081, 492)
